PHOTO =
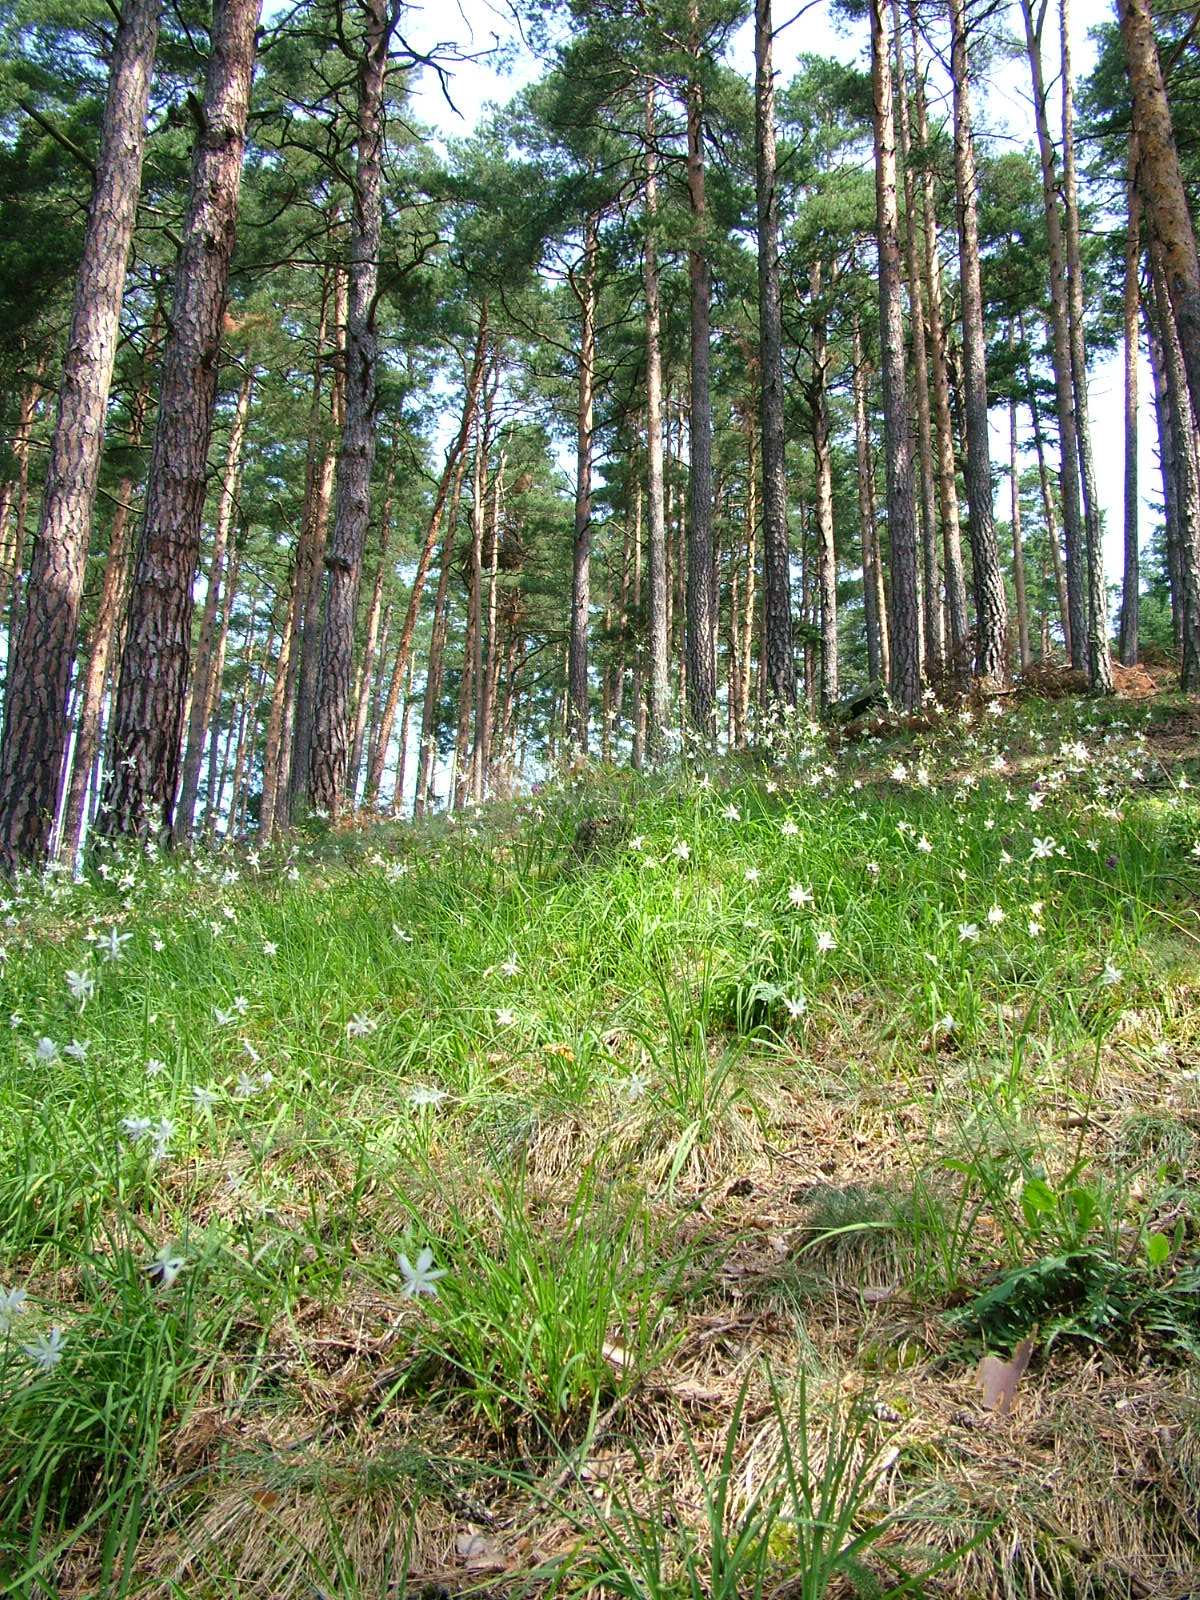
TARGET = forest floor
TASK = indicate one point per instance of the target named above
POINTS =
(617, 1191)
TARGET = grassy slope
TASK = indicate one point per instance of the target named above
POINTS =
(726, 1219)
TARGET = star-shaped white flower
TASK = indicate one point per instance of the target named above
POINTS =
(825, 942)
(800, 895)
(421, 1279)
(46, 1350)
(12, 1305)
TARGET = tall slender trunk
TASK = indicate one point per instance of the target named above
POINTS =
(902, 530)
(1048, 509)
(931, 609)
(148, 717)
(701, 627)
(866, 514)
(818, 406)
(104, 631)
(375, 688)
(957, 644)
(366, 668)
(1160, 181)
(356, 457)
(202, 686)
(1099, 659)
(320, 467)
(475, 377)
(1131, 581)
(35, 730)
(461, 779)
(638, 753)
(777, 579)
(486, 697)
(212, 798)
(423, 797)
(658, 687)
(475, 605)
(1168, 468)
(14, 500)
(1073, 526)
(991, 605)
(584, 289)
(1187, 470)
(1014, 483)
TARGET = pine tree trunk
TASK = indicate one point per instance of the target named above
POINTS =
(1160, 182)
(1131, 581)
(777, 578)
(1099, 659)
(991, 605)
(310, 557)
(423, 799)
(218, 679)
(356, 457)
(957, 632)
(366, 667)
(866, 518)
(457, 452)
(1014, 481)
(818, 407)
(902, 531)
(1168, 469)
(151, 694)
(43, 652)
(1073, 527)
(577, 648)
(1187, 470)
(375, 687)
(486, 698)
(475, 606)
(931, 610)
(637, 756)
(202, 686)
(701, 624)
(14, 498)
(658, 691)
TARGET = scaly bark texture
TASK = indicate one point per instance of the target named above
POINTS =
(658, 686)
(331, 712)
(866, 510)
(777, 577)
(1160, 182)
(148, 716)
(991, 606)
(905, 630)
(584, 287)
(35, 713)
(1131, 579)
(1183, 531)
(701, 606)
(818, 409)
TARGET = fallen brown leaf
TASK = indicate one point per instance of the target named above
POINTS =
(999, 1379)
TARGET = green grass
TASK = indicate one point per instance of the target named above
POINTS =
(807, 1077)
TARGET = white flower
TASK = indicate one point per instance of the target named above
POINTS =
(752, 874)
(800, 895)
(155, 1068)
(270, 948)
(404, 938)
(796, 1006)
(203, 1099)
(12, 1305)
(166, 1267)
(996, 916)
(510, 966)
(421, 1279)
(360, 1025)
(638, 841)
(135, 1128)
(968, 932)
(1111, 974)
(1035, 928)
(635, 1086)
(240, 1005)
(157, 945)
(78, 1049)
(924, 846)
(505, 1016)
(426, 1095)
(873, 868)
(1042, 848)
(923, 777)
(681, 849)
(161, 1136)
(946, 1023)
(825, 941)
(899, 772)
(45, 1050)
(82, 986)
(111, 945)
(249, 1050)
(789, 829)
(245, 1088)
(1036, 800)
(46, 1350)
(223, 1018)
(731, 813)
